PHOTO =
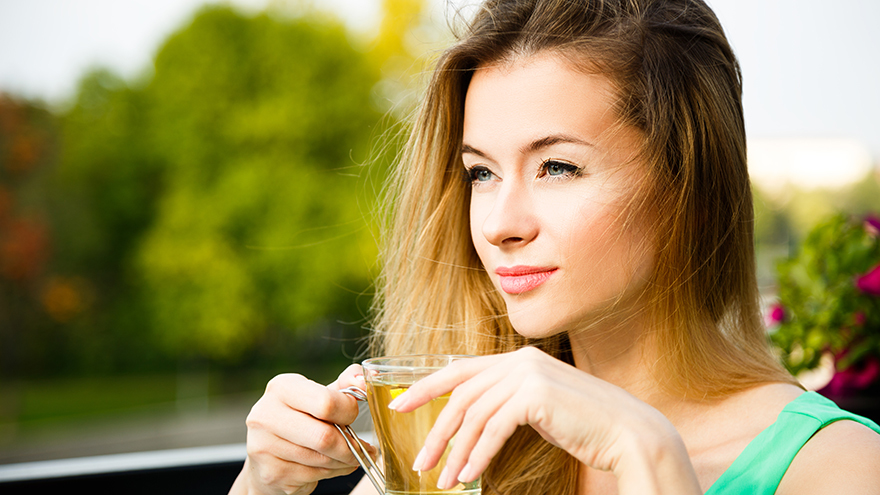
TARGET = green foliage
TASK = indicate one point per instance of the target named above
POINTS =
(215, 213)
(792, 212)
(222, 198)
(772, 225)
(824, 310)
(260, 124)
(109, 173)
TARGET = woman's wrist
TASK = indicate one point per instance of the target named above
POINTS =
(242, 485)
(655, 461)
(248, 483)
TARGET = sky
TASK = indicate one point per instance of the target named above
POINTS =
(811, 67)
(811, 87)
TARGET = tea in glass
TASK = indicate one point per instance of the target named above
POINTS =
(402, 435)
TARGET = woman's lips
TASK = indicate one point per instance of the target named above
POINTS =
(519, 279)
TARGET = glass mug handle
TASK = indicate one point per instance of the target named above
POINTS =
(360, 452)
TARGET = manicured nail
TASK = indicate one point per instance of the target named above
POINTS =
(441, 481)
(420, 459)
(397, 402)
(466, 476)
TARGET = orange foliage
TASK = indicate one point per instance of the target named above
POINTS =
(23, 151)
(6, 203)
(24, 249)
(64, 298)
(21, 145)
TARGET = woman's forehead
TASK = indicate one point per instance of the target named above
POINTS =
(534, 97)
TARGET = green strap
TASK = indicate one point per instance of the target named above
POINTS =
(760, 467)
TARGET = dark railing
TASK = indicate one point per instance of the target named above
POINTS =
(194, 471)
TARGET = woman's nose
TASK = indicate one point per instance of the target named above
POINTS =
(511, 220)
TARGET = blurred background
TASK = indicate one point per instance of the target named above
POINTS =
(187, 191)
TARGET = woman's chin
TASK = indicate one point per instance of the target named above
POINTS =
(535, 327)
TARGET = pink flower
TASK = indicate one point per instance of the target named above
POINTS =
(851, 380)
(869, 283)
(872, 225)
(775, 316)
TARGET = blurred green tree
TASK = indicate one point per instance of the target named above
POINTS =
(216, 208)
(261, 125)
(225, 195)
(103, 197)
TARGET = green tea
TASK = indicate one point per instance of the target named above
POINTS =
(401, 437)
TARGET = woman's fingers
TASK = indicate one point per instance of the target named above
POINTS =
(289, 411)
(292, 442)
(469, 406)
(324, 403)
(305, 434)
(491, 398)
(352, 376)
(489, 421)
(469, 464)
(442, 382)
(261, 442)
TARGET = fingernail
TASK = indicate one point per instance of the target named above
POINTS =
(466, 476)
(420, 459)
(397, 402)
(441, 481)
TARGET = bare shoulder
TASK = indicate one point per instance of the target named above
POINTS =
(843, 457)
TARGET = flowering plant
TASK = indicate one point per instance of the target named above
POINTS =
(829, 302)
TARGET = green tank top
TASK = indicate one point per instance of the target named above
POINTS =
(760, 467)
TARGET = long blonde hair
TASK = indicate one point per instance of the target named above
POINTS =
(678, 82)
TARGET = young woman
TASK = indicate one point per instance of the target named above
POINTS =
(599, 255)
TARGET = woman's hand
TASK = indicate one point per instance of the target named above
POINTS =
(600, 424)
(291, 440)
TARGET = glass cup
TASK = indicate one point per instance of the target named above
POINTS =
(402, 435)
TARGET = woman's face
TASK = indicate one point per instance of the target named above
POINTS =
(552, 179)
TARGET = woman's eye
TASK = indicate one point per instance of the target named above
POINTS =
(555, 168)
(480, 174)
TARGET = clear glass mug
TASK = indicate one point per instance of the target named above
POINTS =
(401, 435)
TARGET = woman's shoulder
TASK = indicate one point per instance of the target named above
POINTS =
(726, 427)
(782, 427)
(843, 457)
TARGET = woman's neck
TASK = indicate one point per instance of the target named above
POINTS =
(621, 353)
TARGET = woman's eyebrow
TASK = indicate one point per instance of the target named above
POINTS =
(465, 149)
(535, 145)
(552, 139)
